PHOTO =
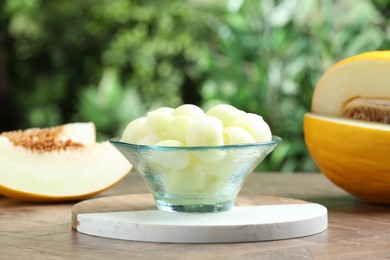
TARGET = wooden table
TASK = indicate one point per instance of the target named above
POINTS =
(357, 230)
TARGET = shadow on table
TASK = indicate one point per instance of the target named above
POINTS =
(349, 204)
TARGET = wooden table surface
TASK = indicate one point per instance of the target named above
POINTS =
(357, 230)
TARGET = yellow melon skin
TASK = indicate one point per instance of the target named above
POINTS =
(29, 196)
(355, 155)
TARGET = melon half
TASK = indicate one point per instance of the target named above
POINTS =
(348, 130)
(58, 163)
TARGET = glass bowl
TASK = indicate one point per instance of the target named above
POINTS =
(195, 179)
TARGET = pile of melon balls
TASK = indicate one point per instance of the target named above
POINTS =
(197, 173)
(189, 125)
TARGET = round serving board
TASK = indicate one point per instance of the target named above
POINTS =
(253, 218)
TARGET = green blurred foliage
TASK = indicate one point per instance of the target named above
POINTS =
(110, 61)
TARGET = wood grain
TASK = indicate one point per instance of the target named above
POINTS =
(357, 230)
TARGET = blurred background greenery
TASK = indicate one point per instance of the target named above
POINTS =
(110, 61)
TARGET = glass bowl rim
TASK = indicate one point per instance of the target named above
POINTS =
(116, 141)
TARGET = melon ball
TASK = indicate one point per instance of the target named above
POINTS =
(226, 113)
(215, 185)
(135, 131)
(150, 139)
(187, 183)
(221, 125)
(220, 168)
(170, 143)
(237, 135)
(167, 110)
(178, 128)
(172, 159)
(158, 120)
(188, 110)
(256, 126)
(205, 131)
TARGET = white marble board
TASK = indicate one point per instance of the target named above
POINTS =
(254, 218)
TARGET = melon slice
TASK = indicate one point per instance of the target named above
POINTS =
(348, 131)
(357, 87)
(58, 164)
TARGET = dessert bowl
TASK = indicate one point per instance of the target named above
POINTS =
(197, 178)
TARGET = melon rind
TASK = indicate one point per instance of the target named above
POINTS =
(352, 154)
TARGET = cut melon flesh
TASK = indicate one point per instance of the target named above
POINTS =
(364, 76)
(84, 133)
(353, 123)
(197, 173)
(64, 174)
(191, 126)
